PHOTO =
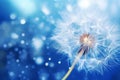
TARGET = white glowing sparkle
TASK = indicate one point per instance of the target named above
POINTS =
(22, 21)
(59, 62)
(46, 64)
(39, 60)
(49, 59)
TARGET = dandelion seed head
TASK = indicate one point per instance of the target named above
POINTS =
(96, 31)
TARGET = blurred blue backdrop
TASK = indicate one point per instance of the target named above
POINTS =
(26, 48)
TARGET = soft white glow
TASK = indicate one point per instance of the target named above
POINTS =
(37, 19)
(45, 10)
(59, 62)
(43, 38)
(49, 58)
(69, 7)
(39, 60)
(84, 3)
(22, 42)
(37, 43)
(17, 60)
(25, 6)
(23, 34)
(22, 21)
(22, 72)
(14, 36)
(46, 64)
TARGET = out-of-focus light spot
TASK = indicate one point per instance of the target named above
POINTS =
(12, 16)
(49, 59)
(43, 75)
(27, 7)
(58, 75)
(22, 21)
(22, 72)
(17, 61)
(11, 74)
(59, 62)
(16, 49)
(43, 78)
(22, 42)
(39, 60)
(69, 7)
(46, 64)
(69, 67)
(10, 44)
(27, 43)
(84, 3)
(52, 21)
(37, 43)
(23, 34)
(26, 66)
(45, 10)
(51, 64)
(14, 36)
(37, 19)
(43, 38)
(4, 45)
(47, 47)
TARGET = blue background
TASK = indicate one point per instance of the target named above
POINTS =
(17, 61)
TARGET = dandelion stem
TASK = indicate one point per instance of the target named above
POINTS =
(73, 64)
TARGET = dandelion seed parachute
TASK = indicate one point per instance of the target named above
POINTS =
(74, 24)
